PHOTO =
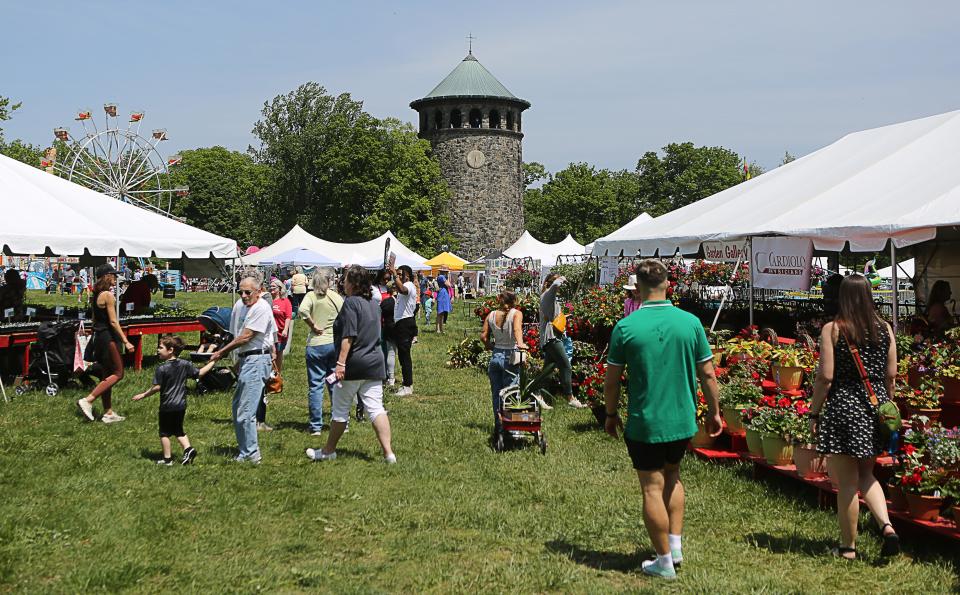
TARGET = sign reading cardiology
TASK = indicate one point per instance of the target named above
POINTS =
(781, 263)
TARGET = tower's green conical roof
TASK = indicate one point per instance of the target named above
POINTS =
(470, 79)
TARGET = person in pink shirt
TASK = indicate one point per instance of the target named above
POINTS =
(633, 301)
(282, 313)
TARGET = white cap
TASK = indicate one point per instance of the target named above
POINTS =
(631, 283)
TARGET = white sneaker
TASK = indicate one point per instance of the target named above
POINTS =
(86, 407)
(317, 454)
(317, 433)
(543, 404)
(391, 381)
(405, 391)
(390, 459)
(112, 418)
(575, 403)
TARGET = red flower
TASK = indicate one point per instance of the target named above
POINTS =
(784, 402)
(909, 449)
(769, 401)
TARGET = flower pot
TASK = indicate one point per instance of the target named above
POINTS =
(776, 450)
(735, 427)
(787, 377)
(810, 464)
(702, 439)
(898, 499)
(717, 357)
(754, 442)
(932, 414)
(956, 515)
(951, 390)
(924, 508)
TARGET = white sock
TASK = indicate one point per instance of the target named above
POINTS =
(665, 561)
(674, 542)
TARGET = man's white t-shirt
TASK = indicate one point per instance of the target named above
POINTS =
(259, 319)
(406, 303)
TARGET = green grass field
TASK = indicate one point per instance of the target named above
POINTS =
(84, 508)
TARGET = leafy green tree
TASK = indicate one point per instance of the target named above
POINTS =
(344, 175)
(684, 175)
(787, 158)
(533, 172)
(414, 197)
(21, 151)
(583, 201)
(226, 188)
(6, 111)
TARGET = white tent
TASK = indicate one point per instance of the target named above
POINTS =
(897, 182)
(368, 254)
(46, 214)
(622, 233)
(906, 270)
(528, 246)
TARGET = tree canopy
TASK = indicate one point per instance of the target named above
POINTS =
(684, 175)
(345, 175)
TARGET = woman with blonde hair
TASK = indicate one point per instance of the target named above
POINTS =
(318, 310)
(843, 415)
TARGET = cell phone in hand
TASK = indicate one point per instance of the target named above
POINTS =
(332, 380)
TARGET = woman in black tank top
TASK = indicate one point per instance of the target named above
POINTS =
(105, 345)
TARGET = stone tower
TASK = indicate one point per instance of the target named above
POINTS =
(474, 125)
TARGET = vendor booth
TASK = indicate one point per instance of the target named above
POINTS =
(46, 215)
(546, 255)
(445, 261)
(370, 254)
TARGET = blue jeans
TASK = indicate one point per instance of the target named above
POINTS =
(502, 375)
(321, 360)
(254, 371)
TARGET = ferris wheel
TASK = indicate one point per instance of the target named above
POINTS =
(117, 161)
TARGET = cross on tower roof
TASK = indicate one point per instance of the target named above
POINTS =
(470, 39)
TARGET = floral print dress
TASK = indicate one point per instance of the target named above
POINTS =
(848, 424)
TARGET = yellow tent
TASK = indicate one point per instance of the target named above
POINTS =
(445, 261)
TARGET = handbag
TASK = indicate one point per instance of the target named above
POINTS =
(560, 323)
(274, 384)
(518, 357)
(888, 414)
(81, 340)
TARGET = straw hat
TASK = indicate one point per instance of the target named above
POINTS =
(631, 283)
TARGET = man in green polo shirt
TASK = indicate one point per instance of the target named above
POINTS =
(665, 352)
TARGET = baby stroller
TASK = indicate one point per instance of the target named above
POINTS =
(51, 357)
(216, 334)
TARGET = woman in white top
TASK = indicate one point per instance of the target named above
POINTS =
(404, 324)
(503, 329)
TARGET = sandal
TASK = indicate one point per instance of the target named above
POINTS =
(891, 542)
(838, 552)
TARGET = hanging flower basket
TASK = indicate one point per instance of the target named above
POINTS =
(787, 377)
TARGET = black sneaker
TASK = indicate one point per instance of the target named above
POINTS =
(188, 456)
(165, 462)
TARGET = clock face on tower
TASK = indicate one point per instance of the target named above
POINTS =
(476, 159)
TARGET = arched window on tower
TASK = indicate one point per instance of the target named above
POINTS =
(456, 119)
(519, 124)
(494, 119)
(437, 120)
(509, 120)
(476, 118)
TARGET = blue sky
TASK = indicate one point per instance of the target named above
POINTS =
(607, 80)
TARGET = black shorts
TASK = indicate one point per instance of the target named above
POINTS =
(171, 423)
(653, 456)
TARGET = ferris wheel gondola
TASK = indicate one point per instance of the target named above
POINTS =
(117, 161)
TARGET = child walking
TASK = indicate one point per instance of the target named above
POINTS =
(170, 380)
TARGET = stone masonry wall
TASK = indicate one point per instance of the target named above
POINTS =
(486, 208)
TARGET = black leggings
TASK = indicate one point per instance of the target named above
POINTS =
(262, 409)
(111, 372)
(403, 333)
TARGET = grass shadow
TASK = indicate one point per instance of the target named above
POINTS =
(599, 560)
(299, 426)
(789, 544)
(223, 451)
(354, 454)
(581, 427)
(222, 421)
(149, 454)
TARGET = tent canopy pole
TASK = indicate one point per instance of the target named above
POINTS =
(750, 243)
(896, 286)
(728, 289)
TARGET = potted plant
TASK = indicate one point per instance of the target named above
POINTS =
(895, 494)
(922, 486)
(752, 422)
(810, 464)
(702, 439)
(950, 380)
(925, 401)
(777, 448)
(735, 396)
(951, 491)
(788, 365)
(717, 339)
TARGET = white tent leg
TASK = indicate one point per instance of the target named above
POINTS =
(4, 391)
(896, 286)
(728, 289)
(750, 242)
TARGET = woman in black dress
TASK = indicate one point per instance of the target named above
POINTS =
(842, 416)
(105, 345)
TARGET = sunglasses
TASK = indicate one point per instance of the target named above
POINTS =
(246, 292)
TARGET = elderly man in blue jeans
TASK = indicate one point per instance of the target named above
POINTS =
(255, 332)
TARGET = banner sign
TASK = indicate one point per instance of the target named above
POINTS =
(725, 251)
(781, 263)
(609, 267)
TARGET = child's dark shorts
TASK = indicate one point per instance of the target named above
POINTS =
(171, 423)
